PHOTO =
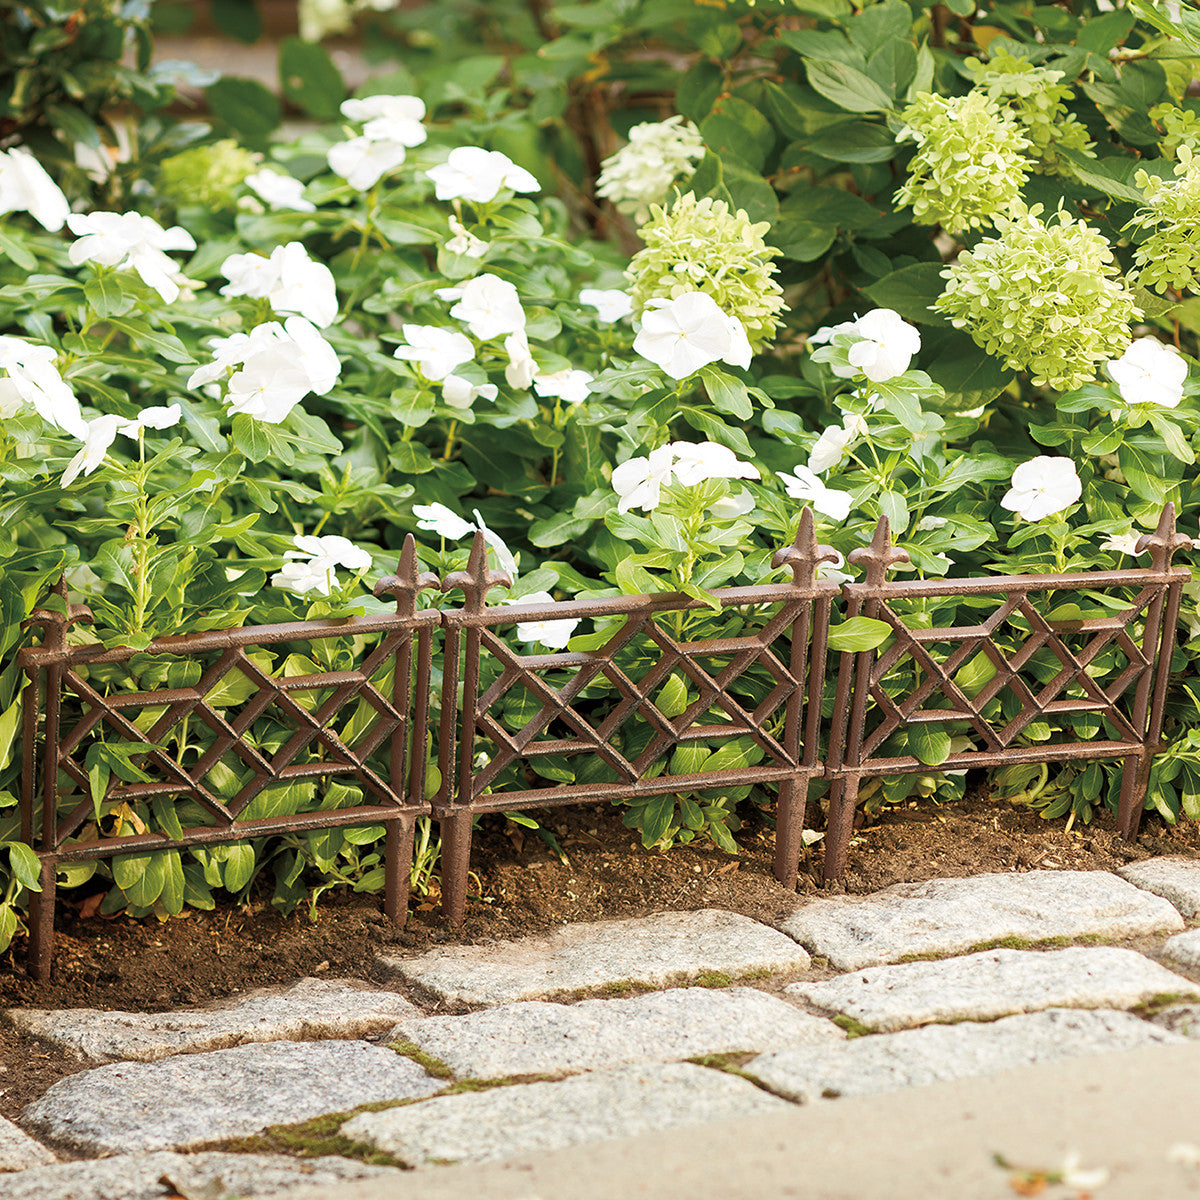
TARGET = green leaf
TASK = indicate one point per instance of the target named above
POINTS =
(929, 743)
(246, 107)
(26, 866)
(1106, 175)
(854, 141)
(74, 124)
(239, 866)
(310, 80)
(738, 130)
(911, 291)
(847, 87)
(701, 84)
(969, 376)
(411, 458)
(16, 250)
(103, 292)
(895, 508)
(729, 395)
(880, 25)
(166, 345)
(174, 885)
(857, 634)
(250, 436)
(656, 817)
(238, 19)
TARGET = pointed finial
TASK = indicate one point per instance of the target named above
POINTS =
(54, 625)
(805, 554)
(407, 581)
(1164, 541)
(478, 579)
(880, 556)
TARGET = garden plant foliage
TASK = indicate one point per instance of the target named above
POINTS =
(928, 263)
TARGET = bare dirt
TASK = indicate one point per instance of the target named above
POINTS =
(519, 887)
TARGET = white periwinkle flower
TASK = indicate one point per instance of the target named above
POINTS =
(568, 384)
(279, 190)
(290, 280)
(554, 635)
(885, 347)
(100, 435)
(641, 173)
(833, 570)
(25, 187)
(339, 550)
(130, 240)
(611, 305)
(1122, 543)
(728, 508)
(437, 518)
(828, 449)
(34, 379)
(639, 481)
(803, 484)
(1042, 486)
(315, 561)
(436, 351)
(689, 332)
(487, 305)
(522, 366)
(362, 163)
(459, 392)
(394, 119)
(1149, 372)
(464, 241)
(475, 174)
(694, 463)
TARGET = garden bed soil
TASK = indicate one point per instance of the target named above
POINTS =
(519, 887)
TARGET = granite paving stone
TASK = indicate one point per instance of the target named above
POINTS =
(888, 1062)
(310, 1009)
(534, 1117)
(993, 983)
(151, 1176)
(1184, 948)
(536, 1037)
(19, 1152)
(1175, 879)
(660, 950)
(948, 916)
(197, 1098)
(1183, 1019)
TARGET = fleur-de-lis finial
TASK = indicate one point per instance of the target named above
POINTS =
(880, 556)
(1164, 541)
(54, 625)
(408, 581)
(478, 579)
(805, 554)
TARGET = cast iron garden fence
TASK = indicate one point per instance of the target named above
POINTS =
(228, 735)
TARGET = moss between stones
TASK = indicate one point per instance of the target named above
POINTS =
(434, 1066)
(713, 979)
(854, 1028)
(1156, 1004)
(1013, 943)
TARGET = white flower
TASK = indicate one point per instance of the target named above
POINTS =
(487, 305)
(437, 518)
(130, 240)
(567, 384)
(157, 417)
(464, 241)
(251, 275)
(34, 379)
(471, 173)
(1042, 486)
(695, 463)
(318, 359)
(100, 435)
(1122, 543)
(522, 367)
(610, 304)
(639, 481)
(803, 484)
(25, 187)
(321, 17)
(1149, 372)
(458, 392)
(689, 332)
(828, 449)
(1085, 1181)
(303, 577)
(436, 351)
(389, 118)
(728, 508)
(290, 280)
(362, 163)
(833, 570)
(340, 551)
(554, 635)
(885, 349)
(279, 190)
(927, 523)
(641, 173)
(504, 556)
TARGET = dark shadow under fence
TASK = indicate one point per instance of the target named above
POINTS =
(298, 728)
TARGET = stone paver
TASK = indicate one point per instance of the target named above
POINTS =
(1184, 948)
(507, 1121)
(1183, 1019)
(308, 1010)
(151, 1176)
(660, 950)
(994, 983)
(535, 1037)
(890, 1061)
(19, 1152)
(1176, 879)
(948, 916)
(198, 1098)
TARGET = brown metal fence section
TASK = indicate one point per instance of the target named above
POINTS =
(596, 715)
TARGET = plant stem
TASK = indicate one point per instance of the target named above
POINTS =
(449, 448)
(141, 542)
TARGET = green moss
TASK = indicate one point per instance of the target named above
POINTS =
(1156, 1004)
(1013, 943)
(434, 1066)
(854, 1028)
(487, 1085)
(730, 1061)
(713, 979)
(627, 987)
(317, 1138)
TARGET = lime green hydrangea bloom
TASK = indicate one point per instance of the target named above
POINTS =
(1046, 298)
(208, 176)
(1039, 102)
(970, 163)
(701, 246)
(1179, 127)
(1170, 256)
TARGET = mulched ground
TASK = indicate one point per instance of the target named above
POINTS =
(116, 963)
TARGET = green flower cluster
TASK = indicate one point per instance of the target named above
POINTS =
(1170, 256)
(970, 163)
(207, 176)
(1045, 297)
(1039, 102)
(1179, 127)
(700, 246)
